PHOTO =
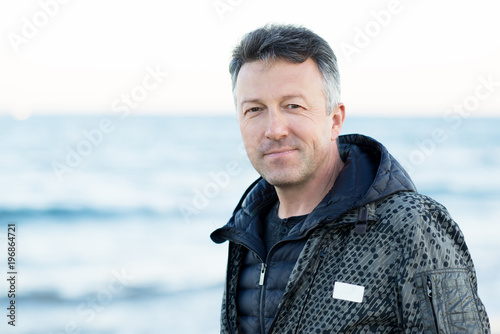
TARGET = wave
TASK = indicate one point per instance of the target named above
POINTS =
(82, 212)
(136, 293)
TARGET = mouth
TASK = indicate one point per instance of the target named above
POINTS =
(279, 153)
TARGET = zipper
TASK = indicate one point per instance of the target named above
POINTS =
(261, 301)
(262, 282)
(262, 274)
(429, 295)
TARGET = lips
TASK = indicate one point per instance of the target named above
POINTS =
(280, 152)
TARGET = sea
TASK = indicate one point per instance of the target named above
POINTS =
(109, 217)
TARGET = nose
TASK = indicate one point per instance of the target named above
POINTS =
(277, 125)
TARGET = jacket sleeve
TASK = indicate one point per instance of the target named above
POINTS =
(228, 320)
(224, 327)
(437, 285)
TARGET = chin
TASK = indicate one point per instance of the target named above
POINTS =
(281, 180)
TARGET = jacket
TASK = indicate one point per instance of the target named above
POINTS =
(373, 257)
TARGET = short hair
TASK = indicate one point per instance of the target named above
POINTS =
(292, 43)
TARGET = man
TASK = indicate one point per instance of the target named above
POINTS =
(333, 238)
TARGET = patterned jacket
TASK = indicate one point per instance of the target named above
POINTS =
(377, 257)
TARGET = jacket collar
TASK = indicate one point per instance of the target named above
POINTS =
(370, 173)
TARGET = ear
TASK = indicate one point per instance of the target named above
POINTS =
(338, 116)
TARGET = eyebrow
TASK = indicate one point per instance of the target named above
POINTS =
(285, 97)
(250, 101)
(300, 96)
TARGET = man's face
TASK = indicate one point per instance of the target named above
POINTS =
(283, 120)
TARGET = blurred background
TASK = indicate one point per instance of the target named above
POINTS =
(120, 152)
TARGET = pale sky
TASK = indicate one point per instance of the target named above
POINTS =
(406, 57)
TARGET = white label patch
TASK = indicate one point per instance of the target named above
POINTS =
(350, 292)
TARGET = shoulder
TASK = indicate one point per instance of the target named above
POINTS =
(415, 217)
(422, 224)
(408, 206)
(408, 200)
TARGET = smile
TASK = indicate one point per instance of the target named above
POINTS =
(280, 153)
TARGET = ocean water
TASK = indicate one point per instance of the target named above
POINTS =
(113, 215)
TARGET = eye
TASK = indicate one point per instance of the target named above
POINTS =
(293, 106)
(253, 110)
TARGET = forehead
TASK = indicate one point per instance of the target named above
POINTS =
(264, 77)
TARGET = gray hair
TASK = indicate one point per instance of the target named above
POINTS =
(292, 43)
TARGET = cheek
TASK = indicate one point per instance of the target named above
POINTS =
(313, 134)
(249, 136)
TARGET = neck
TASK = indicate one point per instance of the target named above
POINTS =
(301, 199)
